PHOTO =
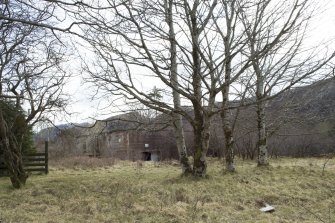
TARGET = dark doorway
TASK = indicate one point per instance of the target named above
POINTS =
(146, 156)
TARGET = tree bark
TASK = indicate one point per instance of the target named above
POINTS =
(177, 118)
(200, 152)
(12, 155)
(228, 133)
(180, 139)
(200, 164)
(200, 132)
(226, 125)
(262, 150)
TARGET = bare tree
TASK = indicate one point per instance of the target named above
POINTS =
(278, 29)
(155, 38)
(233, 44)
(177, 118)
(194, 50)
(30, 74)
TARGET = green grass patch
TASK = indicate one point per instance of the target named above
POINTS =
(129, 192)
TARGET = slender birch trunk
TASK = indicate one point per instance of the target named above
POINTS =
(228, 132)
(177, 118)
(226, 123)
(180, 139)
(262, 150)
(261, 124)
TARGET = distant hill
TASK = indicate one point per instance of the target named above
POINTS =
(317, 99)
(300, 122)
(51, 133)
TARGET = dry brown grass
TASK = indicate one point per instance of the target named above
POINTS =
(81, 162)
(147, 192)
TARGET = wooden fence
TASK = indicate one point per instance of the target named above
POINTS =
(36, 162)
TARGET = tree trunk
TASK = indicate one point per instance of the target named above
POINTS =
(177, 118)
(200, 152)
(226, 125)
(12, 155)
(229, 142)
(180, 139)
(229, 154)
(201, 133)
(200, 164)
(262, 144)
(262, 159)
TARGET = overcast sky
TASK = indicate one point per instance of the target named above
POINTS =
(83, 109)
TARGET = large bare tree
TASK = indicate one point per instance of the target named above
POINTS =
(194, 50)
(163, 40)
(30, 74)
(278, 31)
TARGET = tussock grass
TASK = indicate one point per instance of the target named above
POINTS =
(147, 192)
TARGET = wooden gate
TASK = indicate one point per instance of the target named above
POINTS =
(36, 162)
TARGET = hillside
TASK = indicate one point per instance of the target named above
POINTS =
(300, 121)
(309, 118)
(317, 99)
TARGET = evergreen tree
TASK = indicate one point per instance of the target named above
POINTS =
(16, 121)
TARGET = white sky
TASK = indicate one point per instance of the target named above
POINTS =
(83, 109)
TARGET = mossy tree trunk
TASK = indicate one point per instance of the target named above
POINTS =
(226, 123)
(200, 163)
(201, 144)
(228, 52)
(229, 140)
(182, 151)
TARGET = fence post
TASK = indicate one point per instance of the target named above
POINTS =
(46, 157)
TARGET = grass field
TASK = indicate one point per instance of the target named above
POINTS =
(148, 192)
